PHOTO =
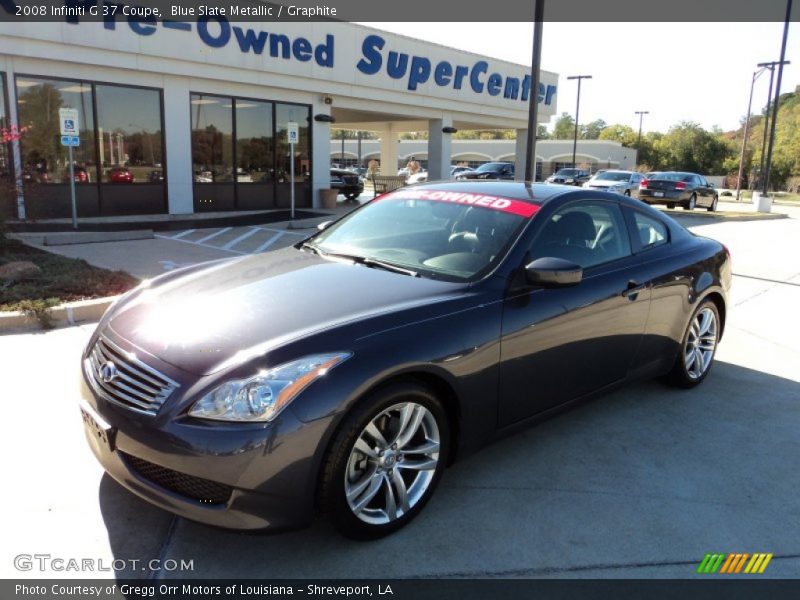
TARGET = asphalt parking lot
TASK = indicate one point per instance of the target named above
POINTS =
(640, 483)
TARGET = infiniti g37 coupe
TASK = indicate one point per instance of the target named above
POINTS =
(345, 373)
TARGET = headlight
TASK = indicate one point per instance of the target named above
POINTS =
(261, 397)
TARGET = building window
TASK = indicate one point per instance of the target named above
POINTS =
(131, 140)
(126, 147)
(44, 158)
(240, 153)
(212, 139)
(7, 180)
(255, 157)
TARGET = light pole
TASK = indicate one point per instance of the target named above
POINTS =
(782, 61)
(771, 66)
(756, 75)
(533, 104)
(641, 114)
(577, 111)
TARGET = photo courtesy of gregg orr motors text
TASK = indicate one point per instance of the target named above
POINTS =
(184, 589)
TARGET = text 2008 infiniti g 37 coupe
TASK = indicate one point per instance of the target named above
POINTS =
(346, 372)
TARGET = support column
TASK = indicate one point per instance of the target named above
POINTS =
(520, 152)
(389, 142)
(178, 136)
(16, 154)
(439, 149)
(321, 152)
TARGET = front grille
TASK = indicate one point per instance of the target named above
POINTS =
(135, 385)
(196, 488)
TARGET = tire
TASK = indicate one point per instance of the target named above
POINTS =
(670, 205)
(627, 193)
(368, 487)
(687, 372)
(713, 206)
(352, 196)
(691, 204)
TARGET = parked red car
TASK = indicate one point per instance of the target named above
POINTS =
(120, 175)
(80, 173)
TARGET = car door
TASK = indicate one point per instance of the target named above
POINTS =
(507, 172)
(701, 189)
(559, 344)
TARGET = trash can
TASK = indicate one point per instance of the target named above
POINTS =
(329, 198)
(762, 202)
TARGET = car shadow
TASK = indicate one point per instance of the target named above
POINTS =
(644, 474)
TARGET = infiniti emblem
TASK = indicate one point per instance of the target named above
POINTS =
(108, 371)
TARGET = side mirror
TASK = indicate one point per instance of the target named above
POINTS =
(552, 272)
(324, 225)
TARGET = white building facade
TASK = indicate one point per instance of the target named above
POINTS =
(183, 117)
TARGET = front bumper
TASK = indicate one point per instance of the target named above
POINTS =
(234, 476)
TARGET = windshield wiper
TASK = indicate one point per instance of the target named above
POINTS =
(369, 262)
(310, 246)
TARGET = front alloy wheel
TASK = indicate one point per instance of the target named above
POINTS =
(392, 463)
(385, 461)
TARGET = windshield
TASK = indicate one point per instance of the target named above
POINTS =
(612, 176)
(453, 236)
(491, 167)
(567, 172)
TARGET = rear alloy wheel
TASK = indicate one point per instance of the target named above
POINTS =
(713, 206)
(627, 193)
(670, 205)
(698, 348)
(385, 462)
(691, 204)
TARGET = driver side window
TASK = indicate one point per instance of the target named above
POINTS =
(586, 233)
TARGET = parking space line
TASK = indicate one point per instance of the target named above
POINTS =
(168, 237)
(284, 231)
(269, 242)
(213, 235)
(181, 234)
(241, 238)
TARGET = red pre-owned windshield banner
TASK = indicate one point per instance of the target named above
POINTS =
(508, 205)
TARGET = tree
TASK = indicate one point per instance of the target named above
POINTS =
(689, 147)
(619, 133)
(591, 131)
(564, 128)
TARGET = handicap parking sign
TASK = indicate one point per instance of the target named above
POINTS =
(68, 118)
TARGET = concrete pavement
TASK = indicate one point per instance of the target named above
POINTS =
(639, 483)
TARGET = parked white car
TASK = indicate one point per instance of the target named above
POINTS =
(621, 182)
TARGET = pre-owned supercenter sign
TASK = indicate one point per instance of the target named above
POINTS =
(376, 57)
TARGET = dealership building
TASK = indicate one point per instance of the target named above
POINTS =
(184, 117)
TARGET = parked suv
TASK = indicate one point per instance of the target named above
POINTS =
(569, 177)
(347, 183)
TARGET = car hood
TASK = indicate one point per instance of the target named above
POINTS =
(214, 316)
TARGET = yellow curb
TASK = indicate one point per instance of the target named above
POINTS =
(67, 314)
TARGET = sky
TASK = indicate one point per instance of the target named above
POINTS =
(697, 72)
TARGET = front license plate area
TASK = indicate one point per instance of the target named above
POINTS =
(98, 431)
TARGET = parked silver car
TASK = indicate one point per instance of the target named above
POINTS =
(622, 182)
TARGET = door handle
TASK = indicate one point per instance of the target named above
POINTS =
(631, 291)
